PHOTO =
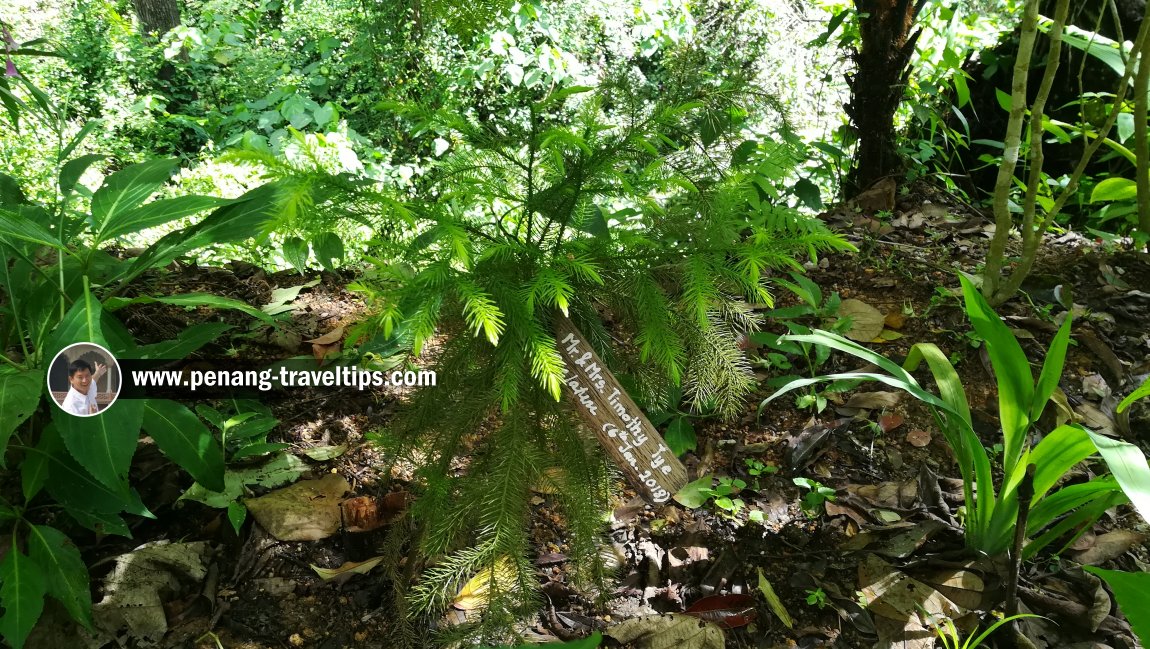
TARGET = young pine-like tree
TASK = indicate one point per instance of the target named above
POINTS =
(650, 226)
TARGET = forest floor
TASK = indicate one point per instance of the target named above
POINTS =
(892, 519)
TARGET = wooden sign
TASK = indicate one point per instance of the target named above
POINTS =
(621, 427)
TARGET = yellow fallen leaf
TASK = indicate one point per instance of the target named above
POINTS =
(476, 592)
(348, 568)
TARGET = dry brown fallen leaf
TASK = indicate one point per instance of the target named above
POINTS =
(667, 632)
(366, 513)
(327, 344)
(328, 338)
(141, 583)
(866, 321)
(1109, 546)
(876, 400)
(890, 422)
(893, 594)
(918, 437)
(308, 510)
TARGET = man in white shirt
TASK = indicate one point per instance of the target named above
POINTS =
(81, 399)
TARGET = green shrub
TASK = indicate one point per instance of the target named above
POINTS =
(992, 508)
(54, 273)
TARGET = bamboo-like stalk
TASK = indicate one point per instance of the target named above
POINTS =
(996, 288)
(1003, 221)
(1141, 146)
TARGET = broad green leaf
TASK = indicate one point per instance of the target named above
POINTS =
(22, 590)
(1100, 47)
(809, 194)
(1074, 524)
(186, 440)
(105, 443)
(84, 498)
(16, 223)
(261, 448)
(190, 300)
(237, 513)
(278, 471)
(1132, 590)
(158, 213)
(128, 188)
(250, 427)
(186, 342)
(64, 570)
(296, 252)
(1004, 99)
(1067, 499)
(1128, 466)
(81, 323)
(694, 495)
(1051, 370)
(1114, 189)
(72, 170)
(248, 215)
(1124, 126)
(680, 435)
(35, 467)
(328, 249)
(1012, 370)
(949, 384)
(774, 602)
(10, 192)
(1142, 392)
(1058, 451)
(19, 397)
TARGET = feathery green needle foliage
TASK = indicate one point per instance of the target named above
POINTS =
(603, 208)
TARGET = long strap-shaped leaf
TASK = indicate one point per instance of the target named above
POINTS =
(1012, 372)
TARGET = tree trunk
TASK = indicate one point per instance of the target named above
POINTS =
(156, 16)
(877, 86)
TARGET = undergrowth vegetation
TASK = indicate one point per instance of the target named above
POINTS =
(477, 174)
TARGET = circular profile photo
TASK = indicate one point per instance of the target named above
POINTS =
(84, 379)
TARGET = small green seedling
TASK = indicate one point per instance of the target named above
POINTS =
(817, 597)
(756, 468)
(813, 500)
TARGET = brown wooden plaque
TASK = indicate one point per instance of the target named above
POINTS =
(622, 429)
